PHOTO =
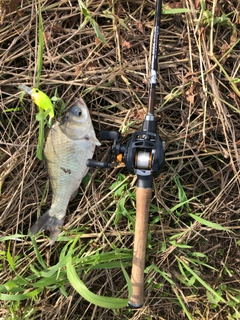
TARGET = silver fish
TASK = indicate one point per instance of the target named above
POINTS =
(68, 146)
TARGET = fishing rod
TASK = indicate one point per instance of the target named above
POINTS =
(143, 155)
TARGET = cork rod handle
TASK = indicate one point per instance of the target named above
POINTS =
(143, 199)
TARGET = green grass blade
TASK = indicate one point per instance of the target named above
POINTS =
(182, 304)
(175, 10)
(171, 282)
(40, 139)
(79, 286)
(181, 193)
(38, 76)
(16, 236)
(94, 24)
(10, 259)
(20, 297)
(203, 283)
(101, 301)
(180, 245)
(99, 34)
(208, 223)
(128, 280)
(12, 109)
(181, 204)
(40, 45)
(38, 255)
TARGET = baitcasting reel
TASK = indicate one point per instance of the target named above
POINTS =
(143, 154)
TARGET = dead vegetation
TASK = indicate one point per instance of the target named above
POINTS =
(197, 106)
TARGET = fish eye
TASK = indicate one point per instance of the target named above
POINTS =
(76, 111)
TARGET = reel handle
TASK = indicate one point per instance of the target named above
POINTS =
(143, 200)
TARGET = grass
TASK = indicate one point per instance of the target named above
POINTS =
(28, 284)
(100, 51)
(39, 60)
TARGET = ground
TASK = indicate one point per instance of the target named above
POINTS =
(100, 50)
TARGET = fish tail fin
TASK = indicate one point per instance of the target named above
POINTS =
(47, 222)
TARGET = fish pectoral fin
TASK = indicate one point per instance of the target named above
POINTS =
(96, 141)
(47, 222)
(91, 136)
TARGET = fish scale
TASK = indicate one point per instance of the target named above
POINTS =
(69, 145)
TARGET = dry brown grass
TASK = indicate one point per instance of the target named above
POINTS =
(197, 107)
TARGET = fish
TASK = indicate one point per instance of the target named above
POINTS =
(69, 144)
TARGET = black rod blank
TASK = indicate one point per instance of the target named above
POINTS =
(154, 59)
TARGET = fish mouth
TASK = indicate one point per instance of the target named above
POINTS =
(64, 119)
